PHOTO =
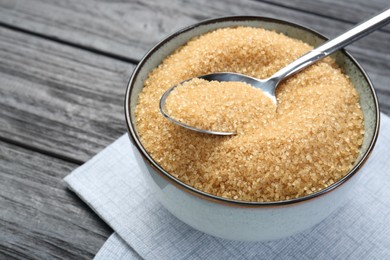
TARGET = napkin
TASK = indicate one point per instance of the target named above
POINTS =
(112, 185)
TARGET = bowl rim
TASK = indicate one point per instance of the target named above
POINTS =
(210, 197)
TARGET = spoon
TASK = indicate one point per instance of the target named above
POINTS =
(269, 85)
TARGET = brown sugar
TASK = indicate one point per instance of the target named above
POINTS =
(220, 106)
(310, 142)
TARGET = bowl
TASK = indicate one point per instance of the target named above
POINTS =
(243, 220)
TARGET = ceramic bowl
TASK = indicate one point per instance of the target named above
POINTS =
(240, 220)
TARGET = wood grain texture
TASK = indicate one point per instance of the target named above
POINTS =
(39, 217)
(59, 99)
(350, 11)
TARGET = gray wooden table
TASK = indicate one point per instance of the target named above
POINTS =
(64, 66)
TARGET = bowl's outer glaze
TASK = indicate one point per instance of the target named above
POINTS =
(242, 223)
(245, 220)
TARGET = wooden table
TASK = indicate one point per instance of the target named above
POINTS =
(64, 66)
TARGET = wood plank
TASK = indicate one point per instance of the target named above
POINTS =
(39, 217)
(129, 29)
(59, 99)
(352, 11)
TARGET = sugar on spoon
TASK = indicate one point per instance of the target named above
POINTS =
(269, 85)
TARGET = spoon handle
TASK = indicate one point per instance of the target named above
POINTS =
(333, 45)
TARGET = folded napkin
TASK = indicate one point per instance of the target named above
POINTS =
(112, 185)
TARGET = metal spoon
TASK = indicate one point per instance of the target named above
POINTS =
(270, 84)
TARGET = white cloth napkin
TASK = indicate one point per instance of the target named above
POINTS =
(112, 185)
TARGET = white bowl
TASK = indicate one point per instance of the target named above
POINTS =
(241, 220)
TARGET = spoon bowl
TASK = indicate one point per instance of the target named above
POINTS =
(266, 86)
